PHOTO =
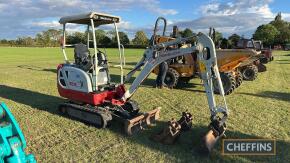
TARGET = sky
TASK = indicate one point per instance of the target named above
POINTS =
(28, 17)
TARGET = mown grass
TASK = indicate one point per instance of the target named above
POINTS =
(258, 109)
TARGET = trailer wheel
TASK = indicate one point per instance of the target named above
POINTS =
(250, 72)
(171, 78)
(228, 81)
(239, 78)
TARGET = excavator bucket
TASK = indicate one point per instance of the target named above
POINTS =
(217, 130)
(171, 132)
(140, 122)
(209, 141)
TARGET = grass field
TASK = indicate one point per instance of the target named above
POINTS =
(258, 109)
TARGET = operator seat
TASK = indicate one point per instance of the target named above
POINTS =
(84, 61)
(82, 57)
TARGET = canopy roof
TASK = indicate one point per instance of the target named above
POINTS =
(99, 19)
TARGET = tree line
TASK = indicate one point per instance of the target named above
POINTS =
(51, 38)
(277, 32)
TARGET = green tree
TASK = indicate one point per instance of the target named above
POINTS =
(233, 40)
(266, 33)
(106, 41)
(284, 29)
(140, 39)
(40, 40)
(49, 37)
(77, 37)
(218, 38)
(186, 33)
(28, 41)
(54, 36)
(100, 35)
(224, 43)
(4, 41)
(124, 39)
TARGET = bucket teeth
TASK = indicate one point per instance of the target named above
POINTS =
(142, 121)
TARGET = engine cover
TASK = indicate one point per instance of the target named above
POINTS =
(72, 78)
(76, 85)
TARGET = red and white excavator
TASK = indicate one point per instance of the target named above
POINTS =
(93, 98)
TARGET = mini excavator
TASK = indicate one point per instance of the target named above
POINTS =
(93, 98)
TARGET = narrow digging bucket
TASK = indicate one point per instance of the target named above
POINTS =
(169, 134)
(140, 122)
(208, 142)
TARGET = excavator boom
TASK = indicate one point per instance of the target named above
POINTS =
(206, 53)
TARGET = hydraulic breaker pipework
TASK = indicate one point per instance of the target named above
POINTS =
(12, 139)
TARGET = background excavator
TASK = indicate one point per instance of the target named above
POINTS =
(93, 98)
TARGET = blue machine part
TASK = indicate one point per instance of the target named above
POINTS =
(12, 141)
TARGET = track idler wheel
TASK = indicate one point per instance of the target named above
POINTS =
(141, 121)
(216, 131)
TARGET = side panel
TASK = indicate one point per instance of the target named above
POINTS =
(73, 78)
(71, 84)
(94, 98)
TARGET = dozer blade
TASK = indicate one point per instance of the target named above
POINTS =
(138, 123)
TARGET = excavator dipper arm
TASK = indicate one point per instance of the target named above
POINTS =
(153, 56)
(207, 60)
